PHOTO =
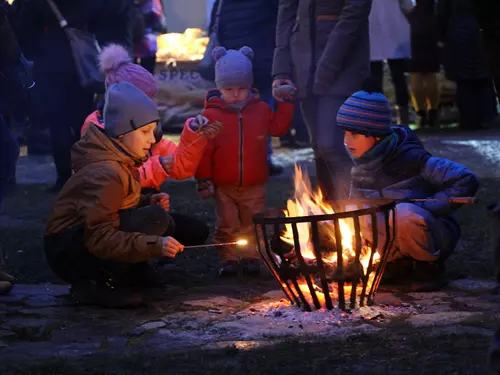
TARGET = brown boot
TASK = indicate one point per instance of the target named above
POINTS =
(105, 296)
(5, 287)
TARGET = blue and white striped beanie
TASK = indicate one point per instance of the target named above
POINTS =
(366, 113)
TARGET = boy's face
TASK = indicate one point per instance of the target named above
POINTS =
(140, 140)
(234, 95)
(358, 144)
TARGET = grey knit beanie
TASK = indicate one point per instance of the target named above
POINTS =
(127, 108)
(232, 67)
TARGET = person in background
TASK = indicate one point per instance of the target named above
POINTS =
(233, 166)
(326, 66)
(391, 162)
(466, 63)
(61, 101)
(425, 63)
(10, 56)
(149, 19)
(113, 23)
(390, 40)
(488, 13)
(252, 23)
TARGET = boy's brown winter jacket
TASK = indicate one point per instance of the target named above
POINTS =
(105, 181)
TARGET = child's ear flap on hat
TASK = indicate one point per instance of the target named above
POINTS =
(247, 51)
(218, 52)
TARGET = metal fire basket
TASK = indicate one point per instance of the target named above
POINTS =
(375, 224)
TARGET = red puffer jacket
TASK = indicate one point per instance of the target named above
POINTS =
(238, 155)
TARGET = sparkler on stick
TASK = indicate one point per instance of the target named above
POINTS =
(238, 243)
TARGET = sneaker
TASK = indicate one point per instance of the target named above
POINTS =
(5, 287)
(105, 296)
(251, 267)
(229, 269)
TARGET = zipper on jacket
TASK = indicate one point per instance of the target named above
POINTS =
(240, 123)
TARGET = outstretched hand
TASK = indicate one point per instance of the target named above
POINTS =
(208, 129)
(162, 200)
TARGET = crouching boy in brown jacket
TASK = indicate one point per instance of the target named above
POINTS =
(102, 231)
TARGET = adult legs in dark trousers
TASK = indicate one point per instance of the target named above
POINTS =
(106, 282)
(9, 152)
(63, 105)
(333, 164)
(397, 68)
(476, 103)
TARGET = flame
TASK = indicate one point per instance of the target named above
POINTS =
(242, 242)
(188, 46)
(306, 203)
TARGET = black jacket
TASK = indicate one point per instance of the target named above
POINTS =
(251, 23)
(464, 51)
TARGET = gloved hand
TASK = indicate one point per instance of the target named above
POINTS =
(201, 125)
(284, 90)
(206, 189)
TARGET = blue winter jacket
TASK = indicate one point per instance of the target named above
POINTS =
(409, 171)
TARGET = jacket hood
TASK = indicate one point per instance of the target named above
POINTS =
(96, 147)
(213, 99)
(410, 150)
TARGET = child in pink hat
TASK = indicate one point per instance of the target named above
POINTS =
(166, 159)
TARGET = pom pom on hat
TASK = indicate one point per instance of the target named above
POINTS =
(112, 57)
(218, 52)
(117, 65)
(367, 113)
(247, 51)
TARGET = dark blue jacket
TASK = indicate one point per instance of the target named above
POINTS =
(251, 23)
(411, 172)
(458, 28)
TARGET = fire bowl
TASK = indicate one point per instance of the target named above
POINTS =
(333, 260)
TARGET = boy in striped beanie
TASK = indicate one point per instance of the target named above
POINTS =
(391, 162)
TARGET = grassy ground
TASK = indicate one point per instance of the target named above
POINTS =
(420, 353)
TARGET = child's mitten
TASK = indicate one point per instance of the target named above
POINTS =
(201, 125)
(206, 189)
(286, 92)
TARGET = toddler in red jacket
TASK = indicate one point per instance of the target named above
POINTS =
(166, 159)
(234, 165)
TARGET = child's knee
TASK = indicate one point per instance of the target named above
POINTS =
(412, 217)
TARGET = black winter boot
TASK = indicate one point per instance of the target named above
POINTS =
(433, 121)
(422, 121)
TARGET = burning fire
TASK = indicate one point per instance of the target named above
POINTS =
(189, 46)
(306, 203)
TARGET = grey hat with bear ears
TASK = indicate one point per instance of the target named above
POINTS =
(233, 68)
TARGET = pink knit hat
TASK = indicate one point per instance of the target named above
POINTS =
(118, 67)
